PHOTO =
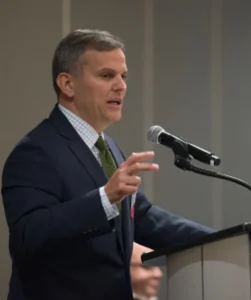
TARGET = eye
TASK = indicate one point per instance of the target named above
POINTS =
(125, 77)
(107, 75)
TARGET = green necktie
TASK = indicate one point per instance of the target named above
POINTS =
(108, 164)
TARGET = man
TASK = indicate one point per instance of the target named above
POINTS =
(71, 199)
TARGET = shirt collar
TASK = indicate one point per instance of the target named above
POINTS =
(88, 134)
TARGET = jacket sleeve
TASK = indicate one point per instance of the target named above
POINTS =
(36, 216)
(156, 227)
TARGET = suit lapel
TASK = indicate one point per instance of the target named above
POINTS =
(78, 147)
(92, 166)
(88, 160)
(125, 215)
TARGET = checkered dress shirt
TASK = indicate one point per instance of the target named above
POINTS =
(90, 136)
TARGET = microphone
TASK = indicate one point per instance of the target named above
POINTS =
(158, 135)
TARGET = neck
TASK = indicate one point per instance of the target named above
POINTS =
(74, 110)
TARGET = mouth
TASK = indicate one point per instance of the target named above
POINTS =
(115, 102)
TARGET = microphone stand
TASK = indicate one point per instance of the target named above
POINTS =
(183, 161)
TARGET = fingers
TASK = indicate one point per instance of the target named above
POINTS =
(128, 190)
(134, 164)
(133, 180)
(151, 284)
(136, 157)
(152, 289)
(144, 281)
(137, 251)
(156, 273)
(138, 167)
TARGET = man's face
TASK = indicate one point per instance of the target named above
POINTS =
(100, 87)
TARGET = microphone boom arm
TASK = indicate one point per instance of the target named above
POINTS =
(183, 161)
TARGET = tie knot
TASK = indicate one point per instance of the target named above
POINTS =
(101, 144)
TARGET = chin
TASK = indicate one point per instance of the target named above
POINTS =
(115, 118)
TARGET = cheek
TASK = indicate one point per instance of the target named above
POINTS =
(101, 95)
(79, 91)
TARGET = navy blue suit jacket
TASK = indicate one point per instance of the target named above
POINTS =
(61, 244)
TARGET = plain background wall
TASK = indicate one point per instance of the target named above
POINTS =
(190, 72)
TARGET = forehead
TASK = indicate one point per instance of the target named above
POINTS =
(105, 59)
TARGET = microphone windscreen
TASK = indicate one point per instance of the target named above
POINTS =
(153, 133)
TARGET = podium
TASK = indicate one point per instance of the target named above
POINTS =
(216, 267)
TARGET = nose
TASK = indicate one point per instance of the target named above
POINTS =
(120, 84)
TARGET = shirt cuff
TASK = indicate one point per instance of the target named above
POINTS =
(111, 210)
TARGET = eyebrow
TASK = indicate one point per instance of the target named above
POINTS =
(111, 70)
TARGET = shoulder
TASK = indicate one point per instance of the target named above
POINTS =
(33, 144)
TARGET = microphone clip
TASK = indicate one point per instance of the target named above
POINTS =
(182, 158)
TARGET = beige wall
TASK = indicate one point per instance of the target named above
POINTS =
(29, 32)
(190, 68)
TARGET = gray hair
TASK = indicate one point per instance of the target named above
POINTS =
(69, 51)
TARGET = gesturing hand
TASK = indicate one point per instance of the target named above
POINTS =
(125, 181)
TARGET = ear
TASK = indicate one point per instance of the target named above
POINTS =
(65, 83)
